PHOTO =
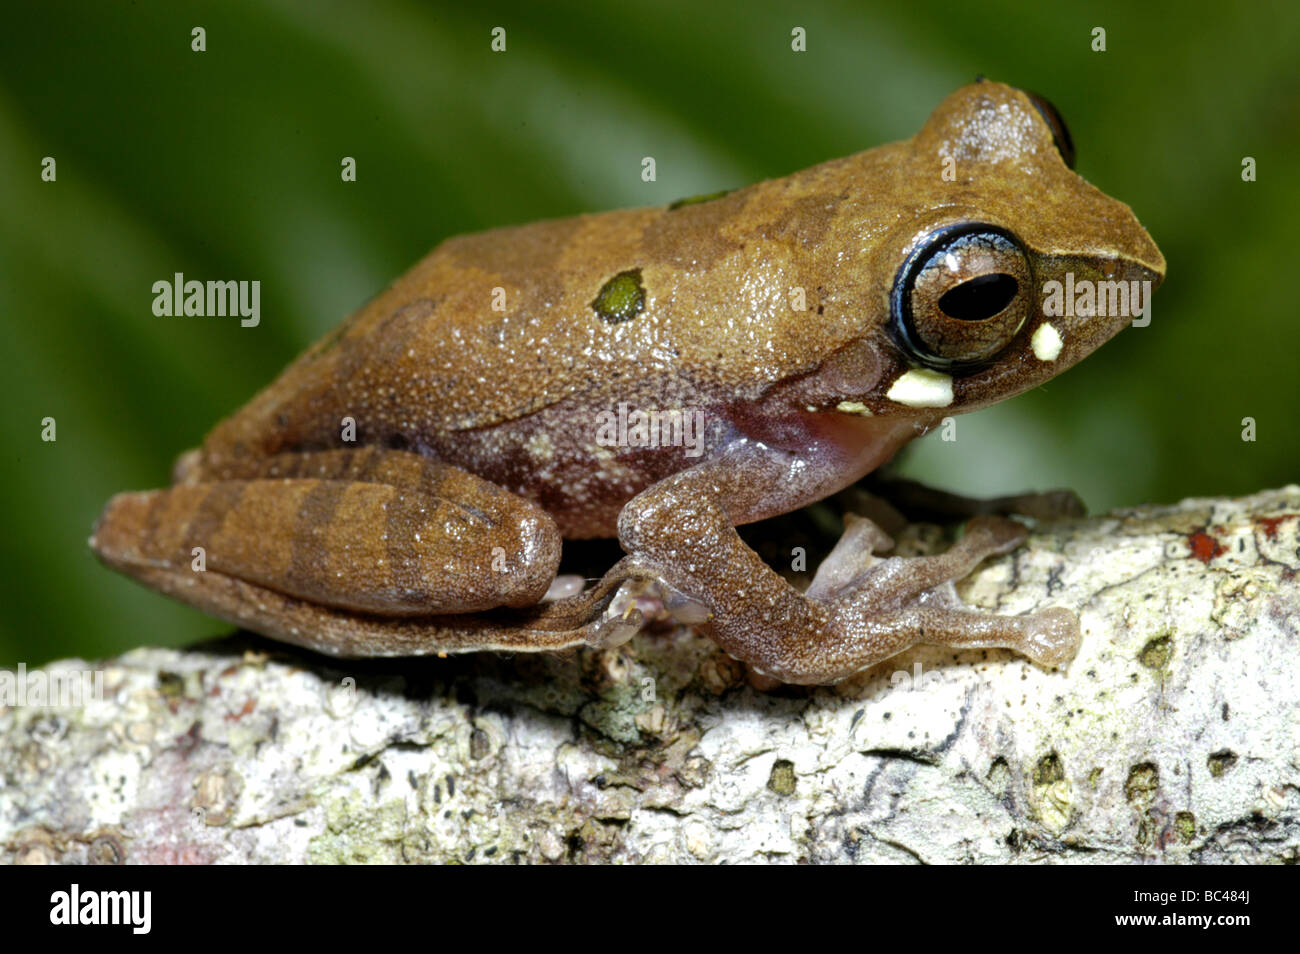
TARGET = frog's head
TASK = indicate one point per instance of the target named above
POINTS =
(1002, 267)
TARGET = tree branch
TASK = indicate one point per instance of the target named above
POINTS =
(1171, 737)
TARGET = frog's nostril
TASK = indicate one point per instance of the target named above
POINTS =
(980, 298)
(1143, 273)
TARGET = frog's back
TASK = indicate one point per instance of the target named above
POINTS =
(661, 305)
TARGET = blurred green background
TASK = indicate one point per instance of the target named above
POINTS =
(225, 164)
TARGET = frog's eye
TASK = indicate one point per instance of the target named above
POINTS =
(961, 297)
(1060, 132)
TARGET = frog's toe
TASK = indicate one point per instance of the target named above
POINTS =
(1053, 637)
(994, 535)
(854, 555)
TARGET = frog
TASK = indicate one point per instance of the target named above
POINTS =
(407, 486)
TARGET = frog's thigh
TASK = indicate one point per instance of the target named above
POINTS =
(847, 624)
(443, 541)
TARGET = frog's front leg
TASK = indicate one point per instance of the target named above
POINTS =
(682, 530)
(357, 553)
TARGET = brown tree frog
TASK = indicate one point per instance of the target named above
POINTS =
(404, 487)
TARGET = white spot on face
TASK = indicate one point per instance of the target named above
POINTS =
(1046, 342)
(853, 407)
(922, 387)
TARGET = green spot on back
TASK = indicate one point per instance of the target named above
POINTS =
(621, 298)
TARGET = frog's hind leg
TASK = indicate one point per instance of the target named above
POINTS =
(359, 552)
(594, 618)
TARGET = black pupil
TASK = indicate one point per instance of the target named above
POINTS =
(979, 298)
